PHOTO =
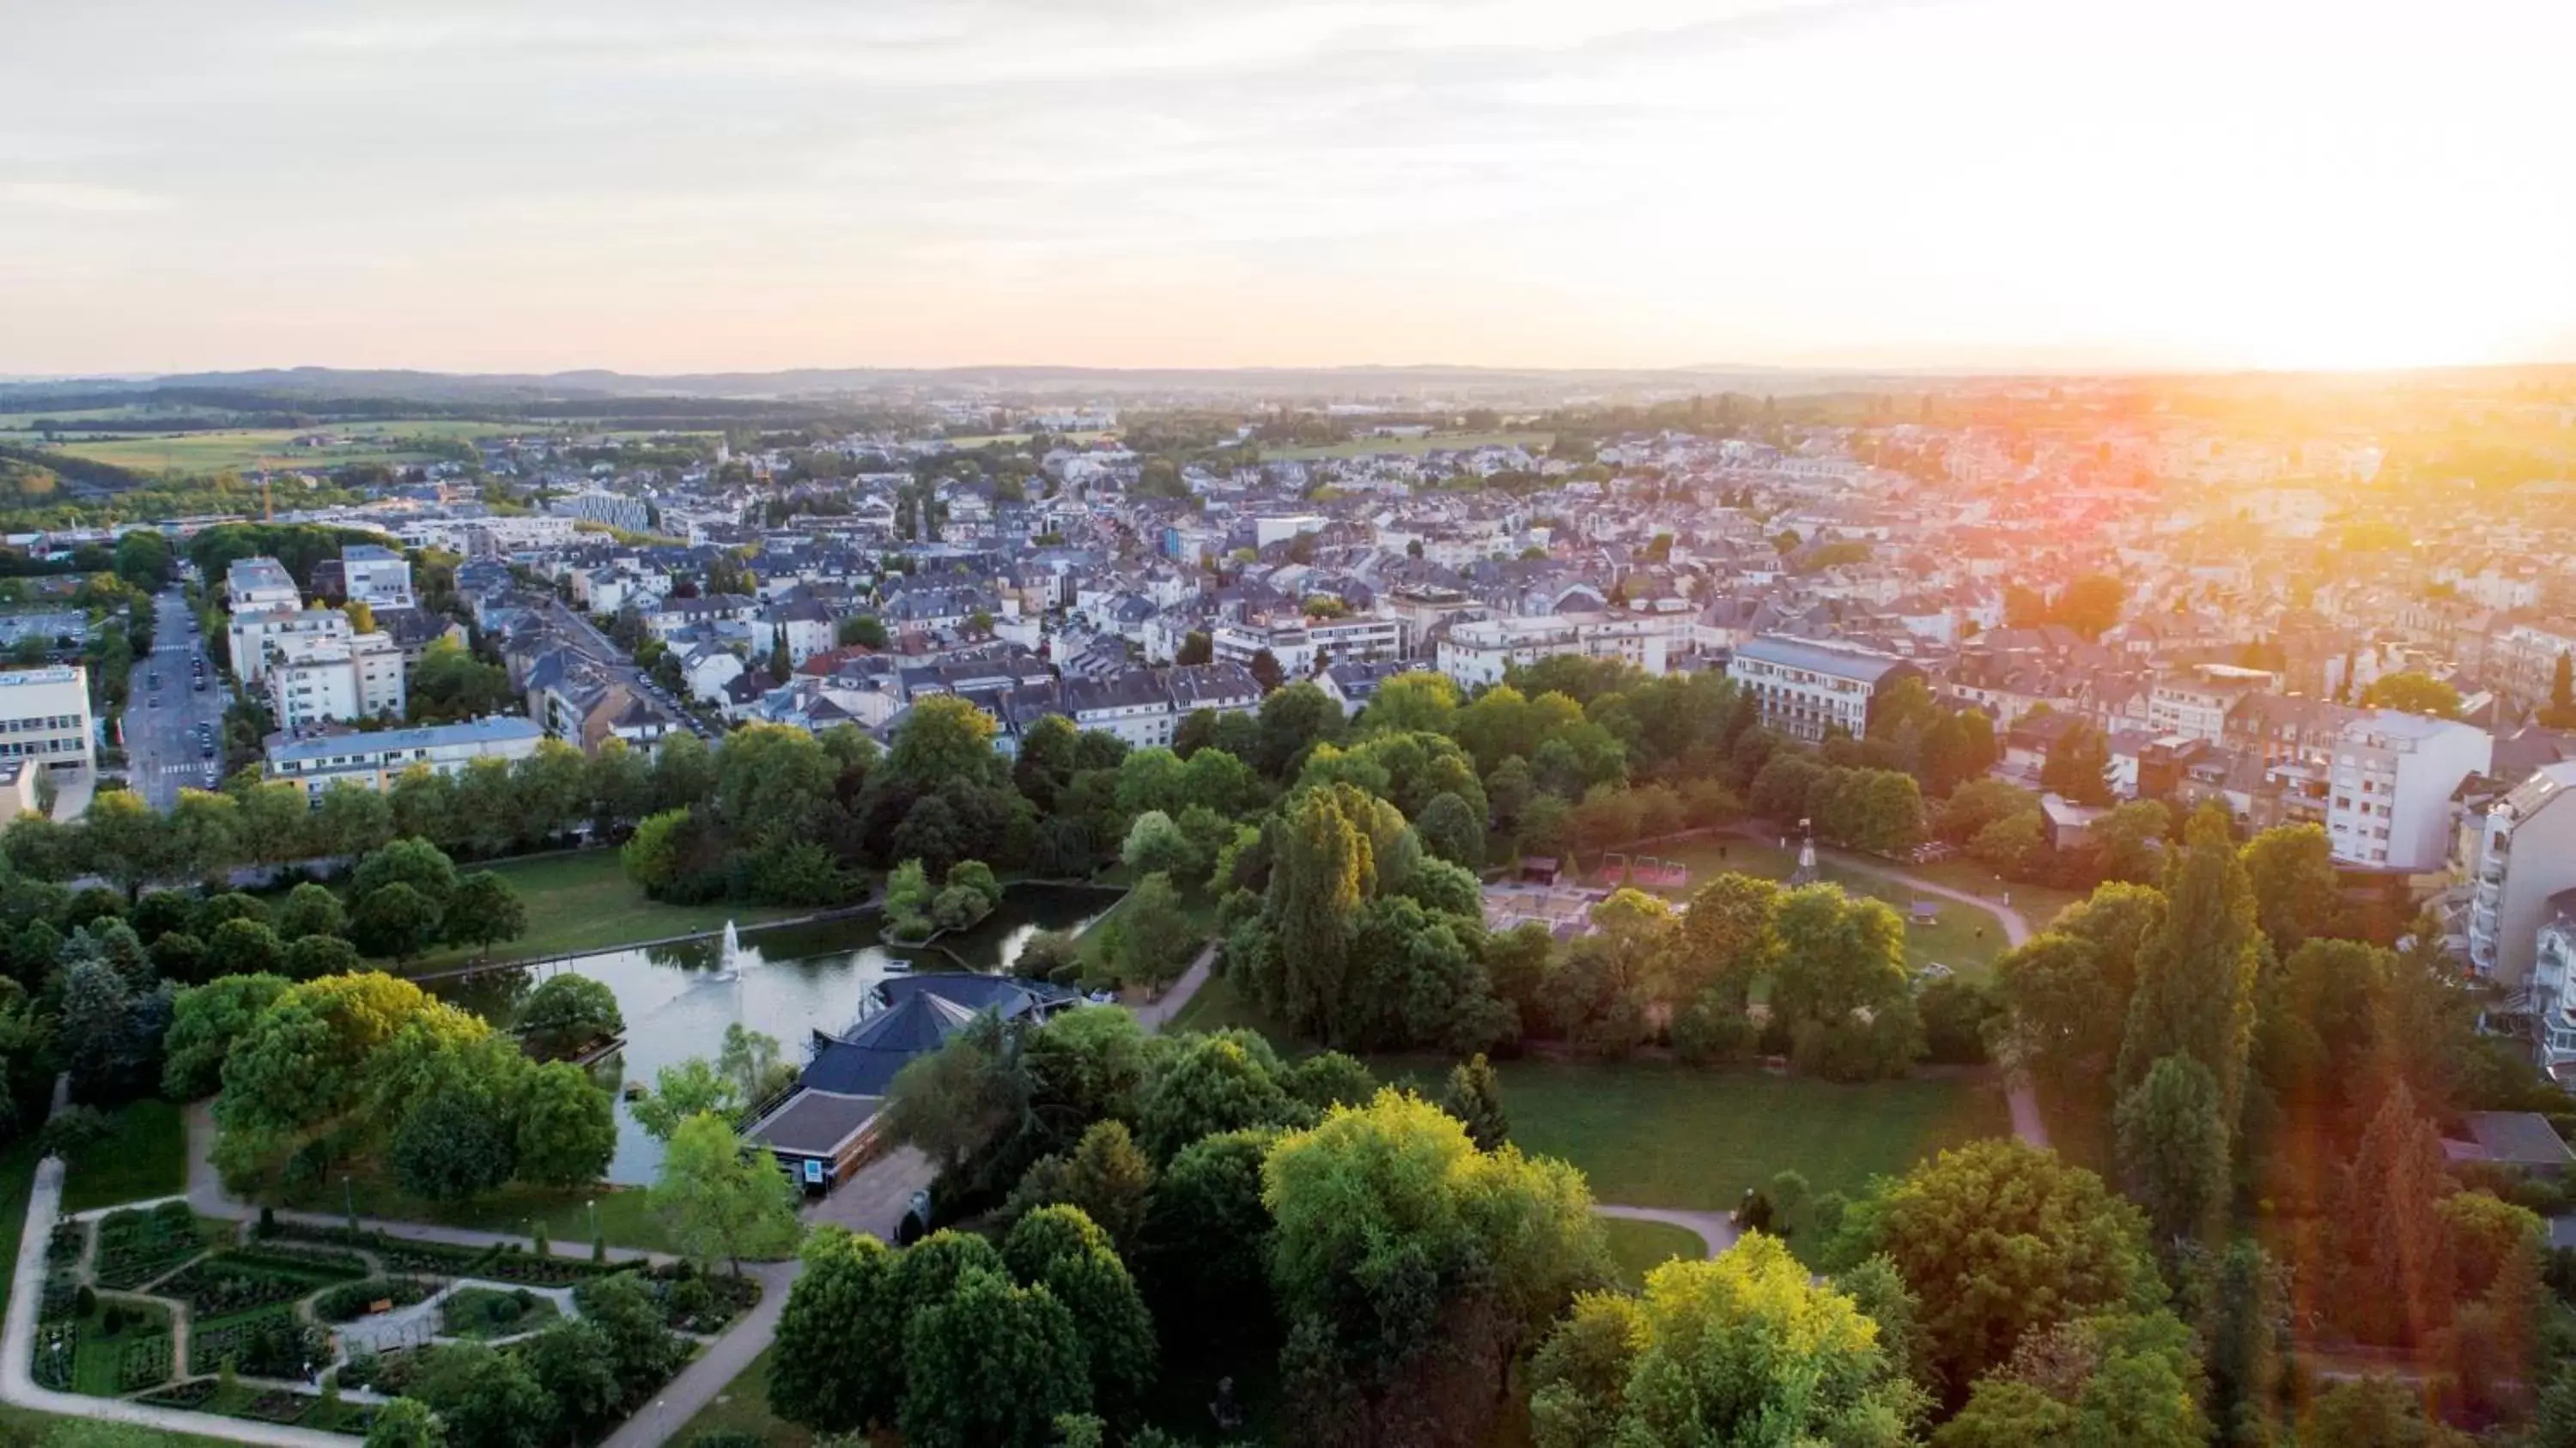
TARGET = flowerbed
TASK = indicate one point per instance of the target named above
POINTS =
(352, 1300)
(194, 1393)
(269, 1344)
(134, 1247)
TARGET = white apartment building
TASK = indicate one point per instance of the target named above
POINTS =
(2195, 704)
(375, 576)
(374, 761)
(256, 638)
(2516, 859)
(1807, 690)
(44, 717)
(259, 585)
(1303, 645)
(2551, 1005)
(2393, 777)
(316, 679)
(1480, 651)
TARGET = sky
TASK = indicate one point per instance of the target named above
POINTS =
(677, 185)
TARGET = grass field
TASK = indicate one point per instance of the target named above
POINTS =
(1219, 1005)
(583, 901)
(1073, 439)
(625, 1218)
(1411, 446)
(1641, 1247)
(1966, 938)
(1652, 1134)
(145, 1157)
(743, 1407)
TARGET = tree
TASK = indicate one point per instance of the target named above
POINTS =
(1422, 701)
(2396, 1255)
(1475, 1097)
(991, 1366)
(1213, 1082)
(396, 920)
(2128, 1379)
(2079, 767)
(1205, 1258)
(205, 1021)
(311, 909)
(409, 861)
(1266, 671)
(721, 1201)
(315, 956)
(1745, 1348)
(406, 1423)
(2091, 604)
(572, 1365)
(2290, 869)
(1108, 1178)
(2173, 1148)
(565, 1126)
(2376, 1412)
(1292, 721)
(1196, 648)
(1154, 936)
(244, 947)
(1999, 1240)
(1411, 1267)
(124, 840)
(484, 909)
(2413, 693)
(864, 630)
(1063, 1251)
(1845, 993)
(488, 1399)
(1451, 830)
(944, 737)
(1155, 844)
(831, 1372)
(2195, 988)
(569, 1010)
(455, 1145)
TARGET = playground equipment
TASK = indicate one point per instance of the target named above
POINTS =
(1644, 871)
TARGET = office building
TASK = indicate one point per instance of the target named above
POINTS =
(45, 717)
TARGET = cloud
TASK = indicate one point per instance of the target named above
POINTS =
(77, 197)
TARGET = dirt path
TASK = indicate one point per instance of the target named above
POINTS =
(1713, 1228)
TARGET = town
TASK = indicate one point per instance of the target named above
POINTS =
(2048, 897)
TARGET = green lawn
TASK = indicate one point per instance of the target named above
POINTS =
(743, 1407)
(1412, 446)
(1220, 1004)
(583, 901)
(625, 1218)
(2038, 904)
(1966, 938)
(145, 1157)
(1640, 1247)
(1652, 1134)
(243, 448)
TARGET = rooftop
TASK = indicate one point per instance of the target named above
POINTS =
(499, 729)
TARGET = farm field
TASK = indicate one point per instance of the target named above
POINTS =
(370, 442)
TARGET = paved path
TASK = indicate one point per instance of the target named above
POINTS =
(1714, 1228)
(1157, 1013)
(2028, 1125)
(17, 1348)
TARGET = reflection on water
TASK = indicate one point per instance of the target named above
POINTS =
(790, 982)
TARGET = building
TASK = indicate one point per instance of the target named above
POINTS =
(375, 761)
(2394, 775)
(1303, 645)
(2517, 859)
(318, 679)
(17, 791)
(375, 576)
(256, 638)
(1807, 690)
(257, 585)
(1481, 651)
(616, 510)
(2196, 703)
(44, 717)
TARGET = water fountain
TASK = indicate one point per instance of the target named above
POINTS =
(732, 947)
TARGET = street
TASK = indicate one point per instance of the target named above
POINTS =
(162, 751)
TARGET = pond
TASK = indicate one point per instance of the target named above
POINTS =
(788, 981)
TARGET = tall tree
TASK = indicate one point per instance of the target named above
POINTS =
(2195, 989)
(2291, 871)
(721, 1201)
(2173, 1148)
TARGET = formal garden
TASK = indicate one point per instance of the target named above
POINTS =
(314, 1326)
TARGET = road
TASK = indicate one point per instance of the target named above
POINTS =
(162, 754)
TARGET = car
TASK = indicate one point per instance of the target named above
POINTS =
(201, 683)
(205, 751)
(153, 703)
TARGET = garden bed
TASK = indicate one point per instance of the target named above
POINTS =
(352, 1300)
(193, 1394)
(489, 1312)
(266, 1344)
(135, 1247)
(227, 1284)
(704, 1303)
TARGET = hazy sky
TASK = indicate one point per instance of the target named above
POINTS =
(667, 185)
